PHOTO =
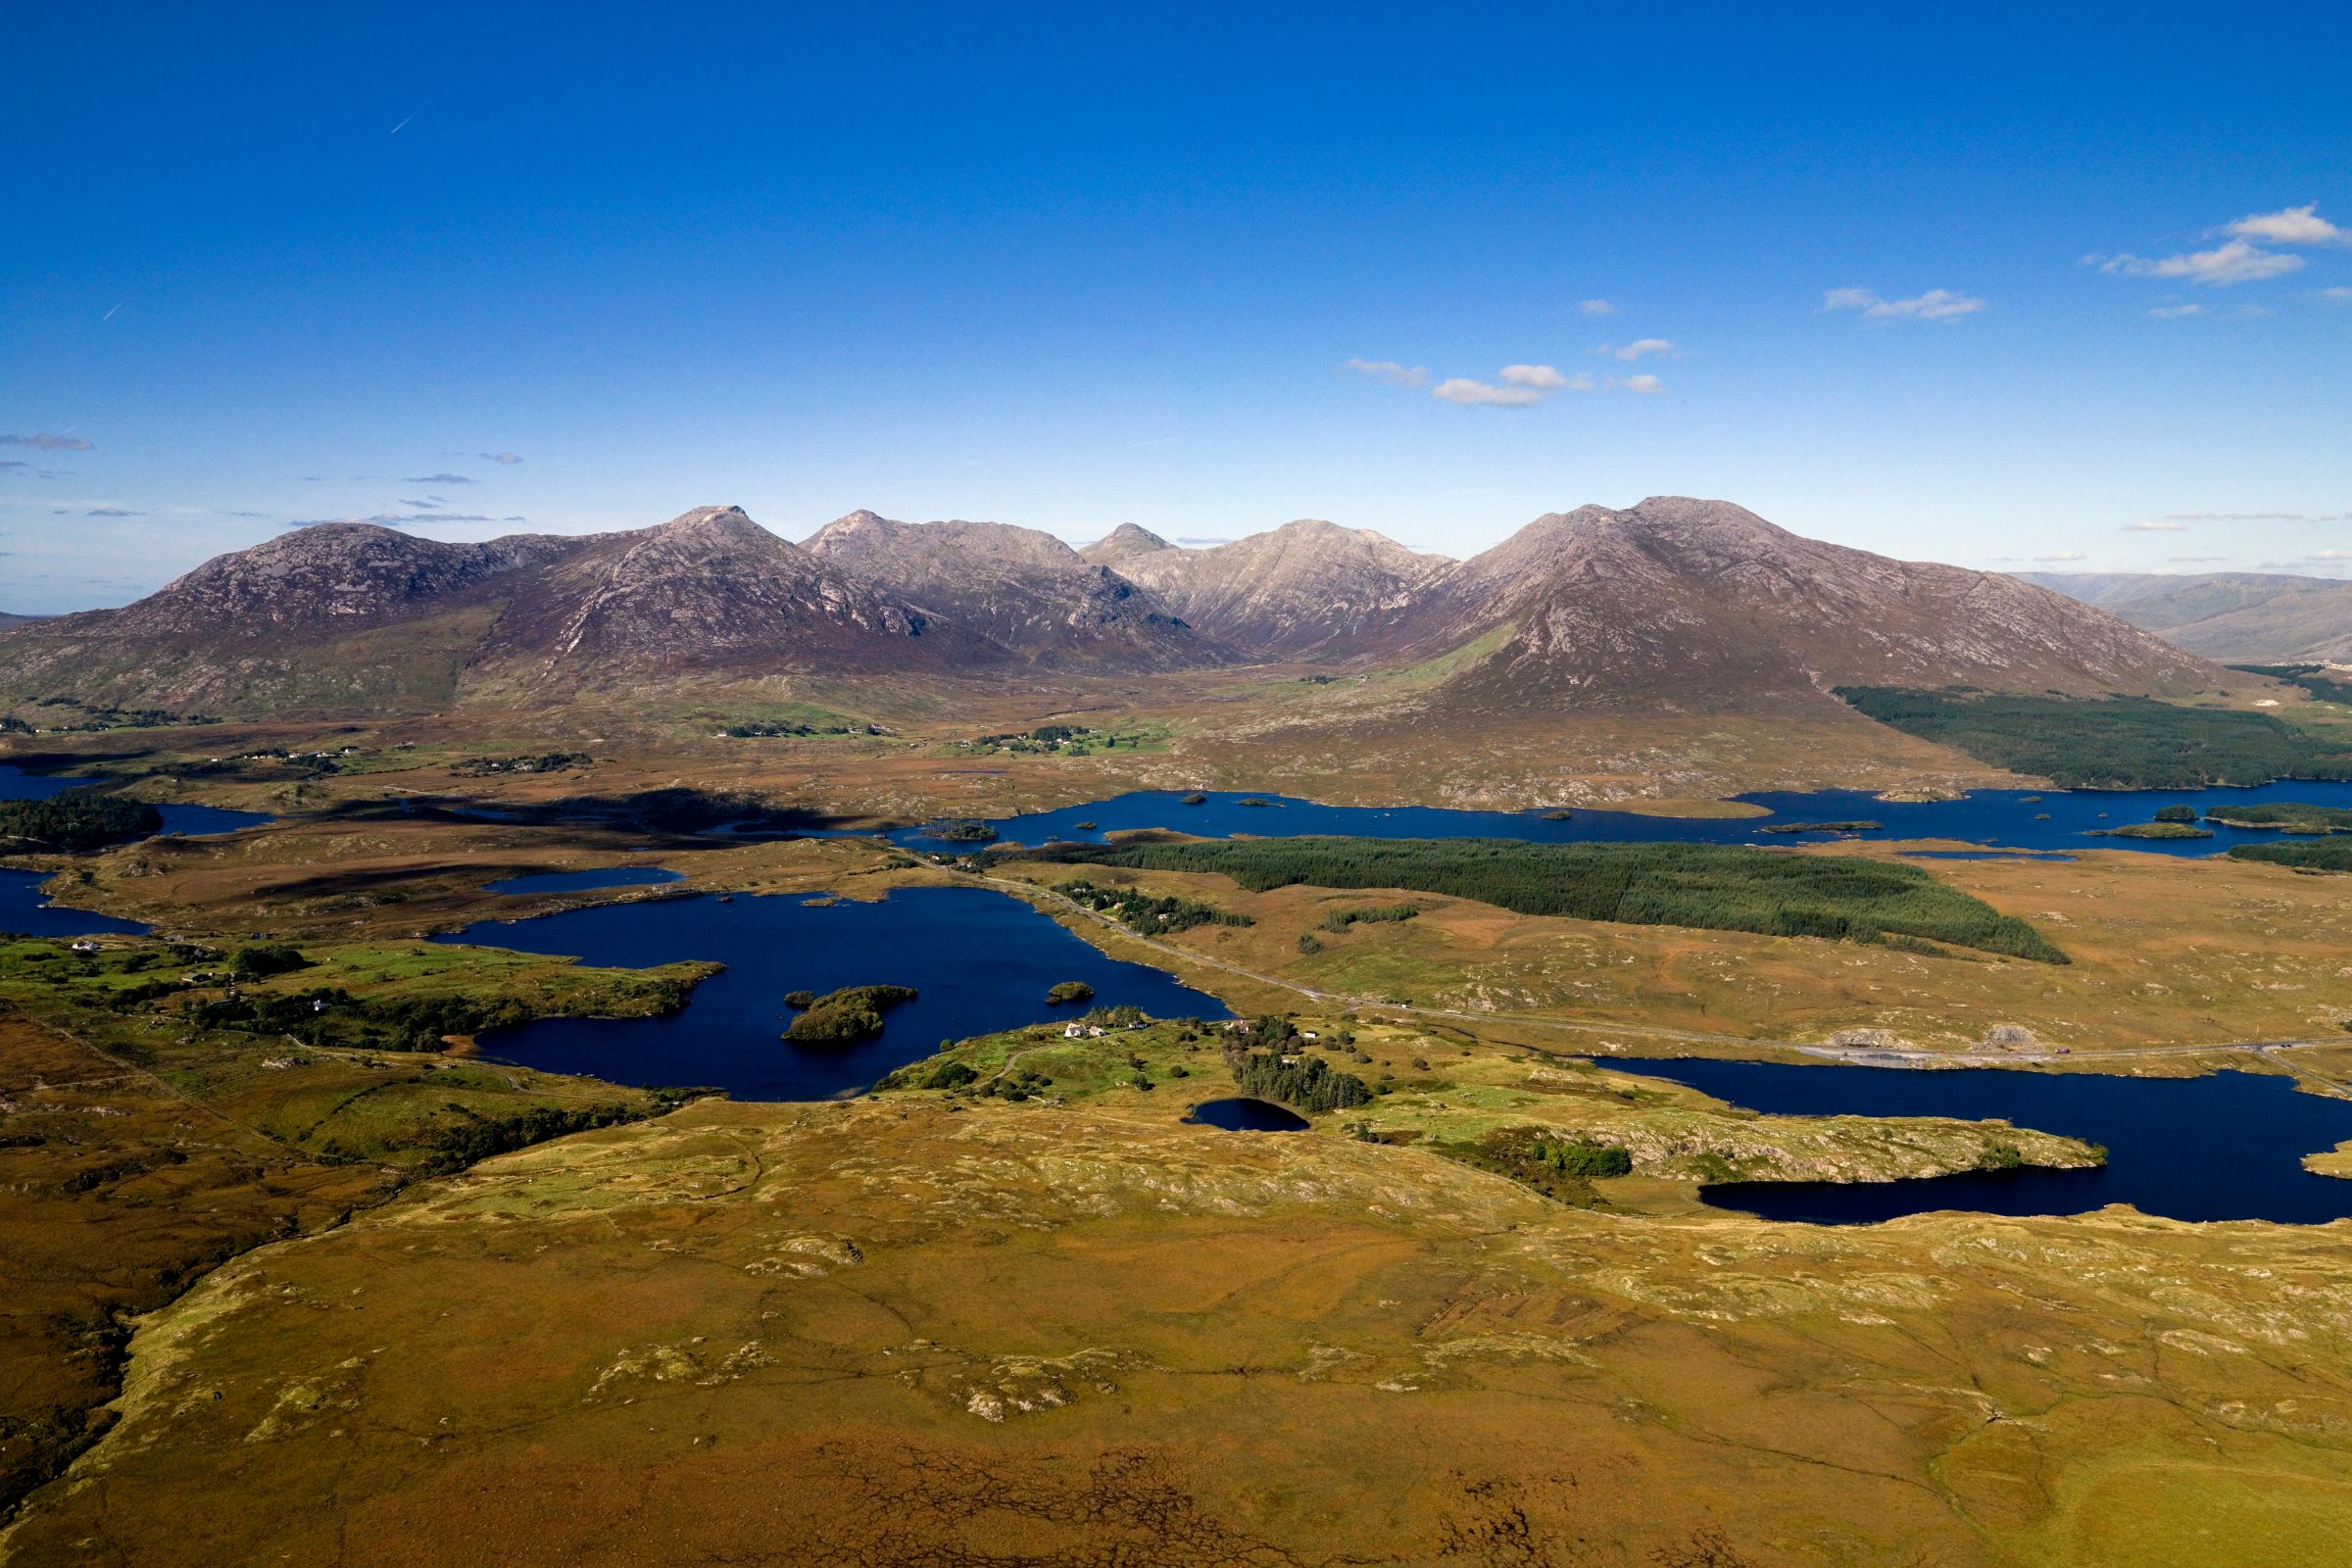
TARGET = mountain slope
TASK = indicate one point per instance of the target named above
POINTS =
(1024, 590)
(1703, 605)
(1306, 589)
(2243, 618)
(1121, 543)
(709, 591)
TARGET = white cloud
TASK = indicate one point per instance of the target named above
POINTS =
(1597, 308)
(2160, 525)
(2292, 226)
(2073, 554)
(1390, 372)
(2167, 313)
(1476, 394)
(1935, 305)
(2330, 555)
(1638, 346)
(505, 460)
(2196, 560)
(429, 479)
(1523, 386)
(2236, 262)
(2340, 295)
(1648, 386)
(1545, 378)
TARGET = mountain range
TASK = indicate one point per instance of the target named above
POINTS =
(1697, 605)
(2234, 617)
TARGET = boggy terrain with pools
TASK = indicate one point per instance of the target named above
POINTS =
(435, 1238)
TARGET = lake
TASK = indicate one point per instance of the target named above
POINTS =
(23, 907)
(2226, 1146)
(619, 876)
(2025, 819)
(979, 961)
(1245, 1115)
(195, 820)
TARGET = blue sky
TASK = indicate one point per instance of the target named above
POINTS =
(1962, 285)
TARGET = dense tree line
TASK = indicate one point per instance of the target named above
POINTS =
(2109, 742)
(2309, 855)
(74, 822)
(2294, 816)
(2317, 680)
(1376, 914)
(1709, 886)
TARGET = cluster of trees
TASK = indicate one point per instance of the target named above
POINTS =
(103, 719)
(333, 1016)
(1141, 912)
(1558, 1167)
(1709, 886)
(269, 958)
(846, 1016)
(764, 729)
(544, 762)
(2109, 742)
(1067, 991)
(74, 822)
(1377, 914)
(1307, 1082)
(960, 830)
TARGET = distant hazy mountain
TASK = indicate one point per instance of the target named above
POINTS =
(2234, 616)
(7, 620)
(1306, 589)
(1024, 590)
(1697, 606)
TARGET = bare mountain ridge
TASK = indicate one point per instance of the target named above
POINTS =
(2235, 616)
(1702, 605)
(1021, 588)
(1122, 542)
(1674, 603)
(1306, 589)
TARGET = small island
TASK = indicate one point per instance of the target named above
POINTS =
(846, 1016)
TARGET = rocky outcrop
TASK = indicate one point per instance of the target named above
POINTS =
(1308, 589)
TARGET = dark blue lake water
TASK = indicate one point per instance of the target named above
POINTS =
(1245, 1115)
(23, 908)
(18, 785)
(978, 961)
(619, 876)
(2228, 1146)
(2029, 819)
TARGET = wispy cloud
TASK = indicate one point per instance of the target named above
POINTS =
(404, 520)
(1597, 308)
(1935, 305)
(1205, 541)
(1648, 386)
(2258, 517)
(504, 458)
(2330, 555)
(2067, 556)
(2156, 526)
(2168, 313)
(112, 512)
(2289, 225)
(43, 441)
(437, 478)
(2236, 262)
(2338, 295)
(12, 462)
(2197, 561)
(1390, 372)
(1638, 348)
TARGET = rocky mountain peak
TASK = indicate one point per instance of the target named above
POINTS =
(1122, 543)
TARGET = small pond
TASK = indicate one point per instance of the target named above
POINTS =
(1245, 1115)
(618, 876)
(194, 821)
(25, 911)
(2024, 819)
(978, 961)
(2226, 1146)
